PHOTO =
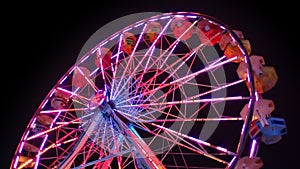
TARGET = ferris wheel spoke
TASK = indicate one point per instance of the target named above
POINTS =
(129, 160)
(60, 142)
(193, 139)
(186, 144)
(44, 133)
(189, 137)
(60, 156)
(183, 157)
(183, 138)
(188, 101)
(200, 85)
(221, 87)
(182, 117)
(114, 69)
(211, 72)
(89, 153)
(196, 119)
(104, 159)
(62, 110)
(102, 72)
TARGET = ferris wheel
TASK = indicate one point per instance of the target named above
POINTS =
(174, 90)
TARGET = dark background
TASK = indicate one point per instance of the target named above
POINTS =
(40, 42)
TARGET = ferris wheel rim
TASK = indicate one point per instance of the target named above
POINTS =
(76, 65)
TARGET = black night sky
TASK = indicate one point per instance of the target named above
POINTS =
(42, 41)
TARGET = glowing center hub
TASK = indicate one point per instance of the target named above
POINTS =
(107, 109)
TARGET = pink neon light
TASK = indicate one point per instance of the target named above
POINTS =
(206, 69)
(128, 29)
(179, 16)
(94, 71)
(114, 37)
(66, 123)
(33, 121)
(155, 19)
(21, 147)
(165, 17)
(84, 58)
(256, 96)
(217, 89)
(87, 79)
(26, 135)
(44, 132)
(73, 139)
(222, 149)
(104, 43)
(198, 119)
(37, 161)
(183, 135)
(138, 25)
(44, 103)
(16, 161)
(231, 162)
(53, 91)
(63, 80)
(24, 164)
(191, 16)
(253, 148)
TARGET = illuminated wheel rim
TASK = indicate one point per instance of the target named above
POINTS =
(169, 98)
